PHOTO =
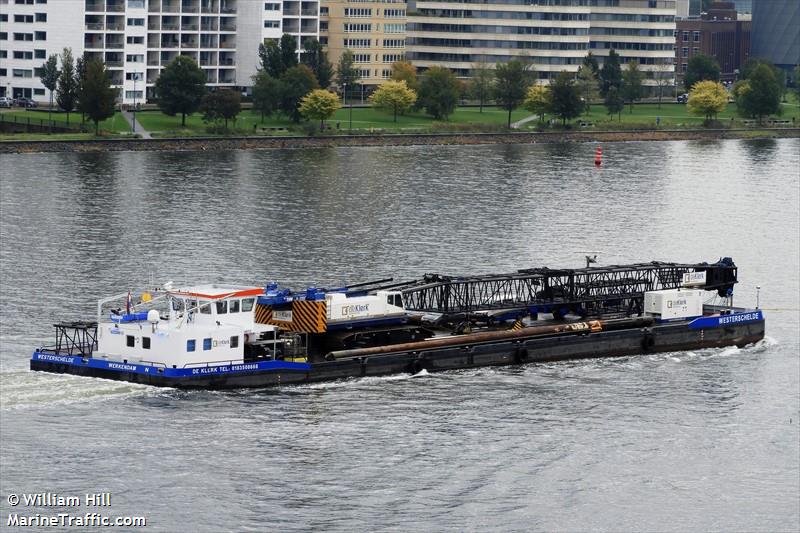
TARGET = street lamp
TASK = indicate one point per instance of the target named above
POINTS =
(133, 123)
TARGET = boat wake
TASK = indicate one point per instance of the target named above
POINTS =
(25, 389)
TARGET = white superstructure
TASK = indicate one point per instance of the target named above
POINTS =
(137, 38)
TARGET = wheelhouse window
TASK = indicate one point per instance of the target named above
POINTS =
(235, 341)
(247, 304)
(205, 308)
(146, 343)
(190, 345)
(206, 344)
(222, 307)
(233, 306)
(130, 340)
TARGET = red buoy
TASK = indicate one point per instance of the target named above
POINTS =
(598, 156)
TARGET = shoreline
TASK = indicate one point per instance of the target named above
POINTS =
(402, 139)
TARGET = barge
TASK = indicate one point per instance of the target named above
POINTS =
(223, 337)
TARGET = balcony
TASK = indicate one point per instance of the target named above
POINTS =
(115, 6)
(94, 44)
(190, 7)
(169, 43)
(115, 27)
(227, 62)
(209, 26)
(170, 6)
(209, 6)
(227, 44)
(95, 6)
(94, 26)
(227, 26)
(154, 6)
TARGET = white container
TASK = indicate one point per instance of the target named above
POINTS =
(674, 303)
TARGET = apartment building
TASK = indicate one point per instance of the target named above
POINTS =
(552, 35)
(374, 30)
(138, 38)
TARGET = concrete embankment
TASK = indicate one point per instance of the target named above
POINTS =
(250, 143)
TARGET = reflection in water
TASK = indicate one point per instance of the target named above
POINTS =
(653, 442)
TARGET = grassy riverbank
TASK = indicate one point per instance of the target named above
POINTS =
(366, 120)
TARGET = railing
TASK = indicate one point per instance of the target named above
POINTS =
(115, 27)
(189, 44)
(115, 46)
(227, 27)
(189, 27)
(153, 26)
(228, 10)
(208, 26)
(170, 44)
(42, 123)
(227, 62)
(169, 27)
(227, 44)
(95, 7)
(309, 12)
(113, 63)
(116, 8)
(94, 26)
(94, 45)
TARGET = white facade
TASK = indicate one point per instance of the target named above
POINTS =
(137, 38)
(30, 32)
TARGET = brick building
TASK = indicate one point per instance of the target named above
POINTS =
(719, 34)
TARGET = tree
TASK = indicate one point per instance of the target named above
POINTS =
(267, 92)
(316, 59)
(269, 56)
(664, 71)
(591, 61)
(49, 77)
(80, 77)
(780, 77)
(297, 82)
(797, 81)
(405, 71)
(760, 94)
(700, 67)
(97, 96)
(346, 72)
(288, 51)
(180, 88)
(394, 96)
(438, 92)
(614, 102)
(632, 83)
(707, 98)
(565, 97)
(538, 100)
(511, 84)
(223, 104)
(67, 91)
(587, 86)
(482, 84)
(319, 104)
(611, 73)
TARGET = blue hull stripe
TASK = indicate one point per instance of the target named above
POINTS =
(116, 366)
(708, 322)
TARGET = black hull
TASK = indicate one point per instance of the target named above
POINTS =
(661, 338)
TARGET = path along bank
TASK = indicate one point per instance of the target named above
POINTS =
(264, 142)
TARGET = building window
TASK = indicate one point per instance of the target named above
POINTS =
(323, 25)
(684, 67)
(23, 54)
(357, 12)
(136, 4)
(134, 76)
(3, 54)
(190, 345)
(685, 52)
(23, 36)
(695, 51)
(394, 43)
(41, 17)
(3, 72)
(357, 43)
(394, 28)
(686, 36)
(130, 341)
(361, 58)
(133, 95)
(23, 18)
(323, 11)
(135, 22)
(38, 92)
(272, 24)
(696, 36)
(21, 73)
(206, 344)
(134, 58)
(3, 36)
(146, 343)
(235, 341)
(3, 17)
(39, 54)
(41, 35)
(131, 39)
(272, 7)
(247, 304)
(394, 13)
(357, 28)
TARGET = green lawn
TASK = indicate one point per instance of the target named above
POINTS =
(115, 124)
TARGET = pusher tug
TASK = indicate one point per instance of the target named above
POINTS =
(220, 336)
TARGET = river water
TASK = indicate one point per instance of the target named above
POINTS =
(704, 440)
